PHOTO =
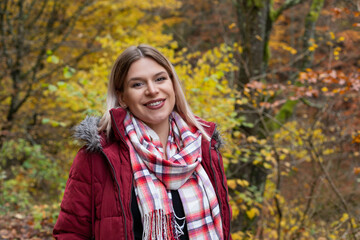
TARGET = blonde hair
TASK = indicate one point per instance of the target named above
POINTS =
(117, 78)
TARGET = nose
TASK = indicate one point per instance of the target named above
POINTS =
(152, 89)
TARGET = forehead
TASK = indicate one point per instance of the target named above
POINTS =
(144, 67)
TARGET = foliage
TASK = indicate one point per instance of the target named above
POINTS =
(204, 76)
(34, 173)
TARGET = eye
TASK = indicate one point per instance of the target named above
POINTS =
(159, 79)
(136, 85)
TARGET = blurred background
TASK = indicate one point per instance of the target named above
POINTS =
(280, 77)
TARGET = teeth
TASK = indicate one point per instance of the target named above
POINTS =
(155, 103)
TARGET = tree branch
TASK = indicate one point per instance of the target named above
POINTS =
(316, 157)
(38, 15)
(286, 5)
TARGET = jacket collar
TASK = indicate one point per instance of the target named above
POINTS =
(117, 118)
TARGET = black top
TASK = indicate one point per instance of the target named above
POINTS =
(178, 208)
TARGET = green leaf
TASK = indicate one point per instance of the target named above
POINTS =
(27, 165)
(247, 124)
(54, 59)
(285, 112)
(52, 88)
(61, 83)
(83, 81)
(45, 120)
(68, 72)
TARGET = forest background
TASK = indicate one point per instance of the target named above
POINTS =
(281, 78)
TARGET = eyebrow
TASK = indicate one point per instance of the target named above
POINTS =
(140, 78)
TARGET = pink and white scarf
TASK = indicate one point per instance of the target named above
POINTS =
(155, 176)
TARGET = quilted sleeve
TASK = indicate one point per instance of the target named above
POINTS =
(74, 221)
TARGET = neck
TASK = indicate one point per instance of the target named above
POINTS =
(163, 133)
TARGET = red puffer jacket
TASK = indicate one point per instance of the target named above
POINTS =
(101, 179)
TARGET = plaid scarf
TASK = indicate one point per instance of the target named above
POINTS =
(155, 176)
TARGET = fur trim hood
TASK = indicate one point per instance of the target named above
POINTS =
(87, 131)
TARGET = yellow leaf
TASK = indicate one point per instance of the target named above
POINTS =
(242, 101)
(353, 222)
(332, 35)
(237, 236)
(262, 142)
(252, 213)
(231, 183)
(312, 48)
(333, 237)
(344, 217)
(242, 183)
(231, 26)
(251, 139)
(235, 209)
(325, 89)
(237, 134)
(328, 151)
(174, 45)
(267, 166)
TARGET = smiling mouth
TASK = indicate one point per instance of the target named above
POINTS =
(155, 103)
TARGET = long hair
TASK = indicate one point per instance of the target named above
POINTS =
(117, 78)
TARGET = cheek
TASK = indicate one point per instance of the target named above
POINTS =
(127, 97)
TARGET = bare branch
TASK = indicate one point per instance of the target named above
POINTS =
(286, 5)
(38, 15)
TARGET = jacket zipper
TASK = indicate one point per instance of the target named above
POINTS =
(118, 187)
(222, 175)
(117, 183)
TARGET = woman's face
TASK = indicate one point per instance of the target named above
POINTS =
(149, 93)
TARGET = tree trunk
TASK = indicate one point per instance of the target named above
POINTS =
(254, 24)
(255, 19)
(309, 34)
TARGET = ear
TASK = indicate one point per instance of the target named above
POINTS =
(120, 99)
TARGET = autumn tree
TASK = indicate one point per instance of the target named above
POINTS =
(34, 34)
(55, 61)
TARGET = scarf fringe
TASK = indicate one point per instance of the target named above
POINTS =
(159, 226)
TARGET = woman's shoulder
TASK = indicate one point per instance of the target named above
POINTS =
(206, 124)
(212, 130)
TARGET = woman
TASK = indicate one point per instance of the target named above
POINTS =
(150, 169)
